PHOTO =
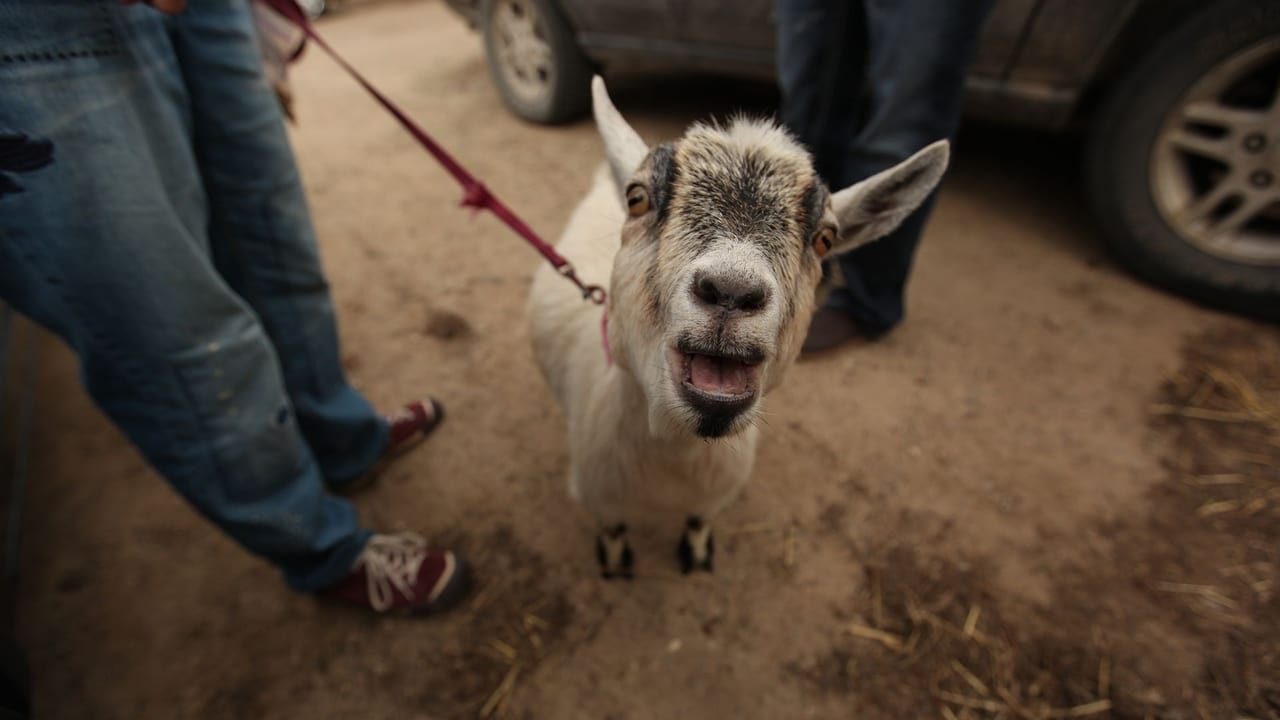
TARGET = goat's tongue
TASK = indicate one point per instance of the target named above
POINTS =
(720, 376)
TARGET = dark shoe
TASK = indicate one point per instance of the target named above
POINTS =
(408, 428)
(15, 681)
(830, 328)
(400, 573)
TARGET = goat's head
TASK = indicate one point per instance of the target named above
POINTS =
(726, 228)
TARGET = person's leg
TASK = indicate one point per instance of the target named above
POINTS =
(820, 61)
(106, 247)
(261, 235)
(918, 52)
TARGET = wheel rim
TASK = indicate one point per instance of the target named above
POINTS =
(1215, 170)
(523, 49)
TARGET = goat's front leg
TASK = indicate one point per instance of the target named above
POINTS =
(614, 552)
(696, 546)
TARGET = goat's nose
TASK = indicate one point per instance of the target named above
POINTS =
(732, 292)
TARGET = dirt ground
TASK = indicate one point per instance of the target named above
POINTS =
(1005, 509)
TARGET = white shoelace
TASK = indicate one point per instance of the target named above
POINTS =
(391, 564)
(402, 415)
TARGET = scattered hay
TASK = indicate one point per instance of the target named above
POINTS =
(509, 625)
(930, 638)
(1222, 409)
(931, 642)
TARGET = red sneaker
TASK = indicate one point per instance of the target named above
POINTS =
(412, 424)
(400, 573)
(409, 427)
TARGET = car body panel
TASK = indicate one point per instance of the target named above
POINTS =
(1054, 59)
(731, 24)
(1067, 40)
(651, 20)
(1035, 60)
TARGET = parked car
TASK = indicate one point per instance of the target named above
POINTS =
(1179, 101)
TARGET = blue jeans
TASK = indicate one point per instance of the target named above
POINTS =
(865, 85)
(170, 245)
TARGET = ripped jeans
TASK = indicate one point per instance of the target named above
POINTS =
(166, 239)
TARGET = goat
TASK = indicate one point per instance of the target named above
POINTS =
(713, 244)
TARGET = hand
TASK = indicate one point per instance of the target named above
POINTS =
(169, 7)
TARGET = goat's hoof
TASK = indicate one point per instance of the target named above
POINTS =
(613, 552)
(697, 546)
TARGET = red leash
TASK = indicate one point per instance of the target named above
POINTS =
(475, 194)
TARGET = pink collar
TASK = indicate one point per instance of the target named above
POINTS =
(604, 338)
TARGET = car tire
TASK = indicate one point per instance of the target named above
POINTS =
(534, 59)
(1136, 164)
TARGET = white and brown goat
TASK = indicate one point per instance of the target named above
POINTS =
(713, 245)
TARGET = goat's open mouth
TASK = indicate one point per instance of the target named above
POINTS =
(718, 388)
(719, 382)
(718, 378)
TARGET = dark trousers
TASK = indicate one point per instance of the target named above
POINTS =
(865, 84)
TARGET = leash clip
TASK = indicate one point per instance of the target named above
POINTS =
(594, 293)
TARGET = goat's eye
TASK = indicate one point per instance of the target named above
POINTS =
(824, 241)
(637, 201)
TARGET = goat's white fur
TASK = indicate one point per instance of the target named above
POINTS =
(624, 149)
(619, 469)
(858, 227)
(633, 457)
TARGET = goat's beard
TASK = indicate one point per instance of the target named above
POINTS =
(673, 418)
(679, 409)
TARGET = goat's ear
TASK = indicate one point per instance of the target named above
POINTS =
(871, 209)
(622, 145)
